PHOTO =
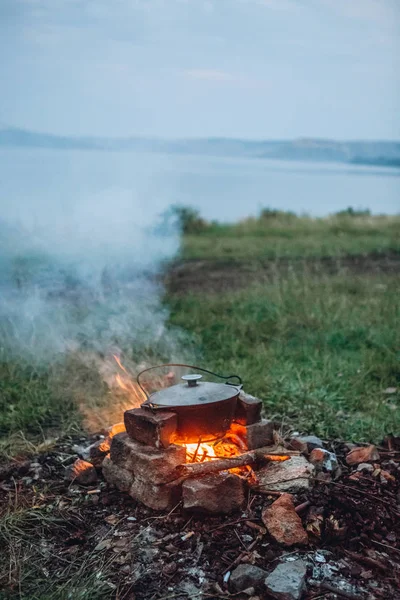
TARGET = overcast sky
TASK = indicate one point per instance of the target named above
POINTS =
(177, 68)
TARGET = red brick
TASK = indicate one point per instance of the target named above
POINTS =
(248, 409)
(222, 493)
(121, 478)
(157, 497)
(147, 462)
(151, 428)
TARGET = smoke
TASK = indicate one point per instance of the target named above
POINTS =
(81, 276)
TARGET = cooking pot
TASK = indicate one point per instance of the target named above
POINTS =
(205, 409)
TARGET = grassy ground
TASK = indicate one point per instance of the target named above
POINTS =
(319, 348)
(277, 235)
(317, 340)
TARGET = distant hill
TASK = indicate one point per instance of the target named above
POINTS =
(379, 153)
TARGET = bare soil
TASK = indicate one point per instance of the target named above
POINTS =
(353, 525)
(224, 275)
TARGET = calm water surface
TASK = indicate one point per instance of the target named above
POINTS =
(221, 188)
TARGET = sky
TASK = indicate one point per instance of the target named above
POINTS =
(257, 69)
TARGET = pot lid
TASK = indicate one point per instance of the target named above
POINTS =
(194, 392)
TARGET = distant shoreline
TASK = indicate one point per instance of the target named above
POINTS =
(367, 153)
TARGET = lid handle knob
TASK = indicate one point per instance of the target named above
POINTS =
(192, 379)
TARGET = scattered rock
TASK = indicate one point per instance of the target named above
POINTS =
(362, 454)
(283, 522)
(323, 460)
(246, 576)
(365, 467)
(214, 494)
(98, 451)
(390, 390)
(287, 581)
(306, 443)
(81, 472)
(292, 475)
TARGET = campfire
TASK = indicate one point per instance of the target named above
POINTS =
(196, 442)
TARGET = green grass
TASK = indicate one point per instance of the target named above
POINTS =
(319, 350)
(286, 235)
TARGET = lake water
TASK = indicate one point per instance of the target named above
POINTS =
(226, 189)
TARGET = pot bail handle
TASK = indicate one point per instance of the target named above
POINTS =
(147, 402)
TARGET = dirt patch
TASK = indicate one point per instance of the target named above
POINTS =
(55, 534)
(219, 276)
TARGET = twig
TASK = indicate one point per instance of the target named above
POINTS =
(196, 451)
(229, 524)
(240, 541)
(235, 562)
(302, 506)
(335, 590)
(367, 560)
(386, 546)
(364, 493)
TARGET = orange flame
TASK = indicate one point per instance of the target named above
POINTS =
(125, 383)
(199, 452)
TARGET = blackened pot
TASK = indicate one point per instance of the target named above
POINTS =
(205, 410)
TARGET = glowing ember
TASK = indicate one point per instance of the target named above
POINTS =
(199, 452)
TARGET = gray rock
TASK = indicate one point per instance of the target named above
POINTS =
(246, 576)
(292, 475)
(323, 460)
(287, 581)
(306, 443)
(366, 467)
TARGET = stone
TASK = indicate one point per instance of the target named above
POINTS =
(98, 451)
(292, 475)
(283, 523)
(259, 434)
(246, 576)
(222, 493)
(366, 467)
(151, 428)
(287, 580)
(157, 497)
(147, 462)
(248, 409)
(115, 475)
(323, 460)
(362, 454)
(306, 443)
(81, 472)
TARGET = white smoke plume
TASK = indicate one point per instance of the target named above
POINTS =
(82, 276)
